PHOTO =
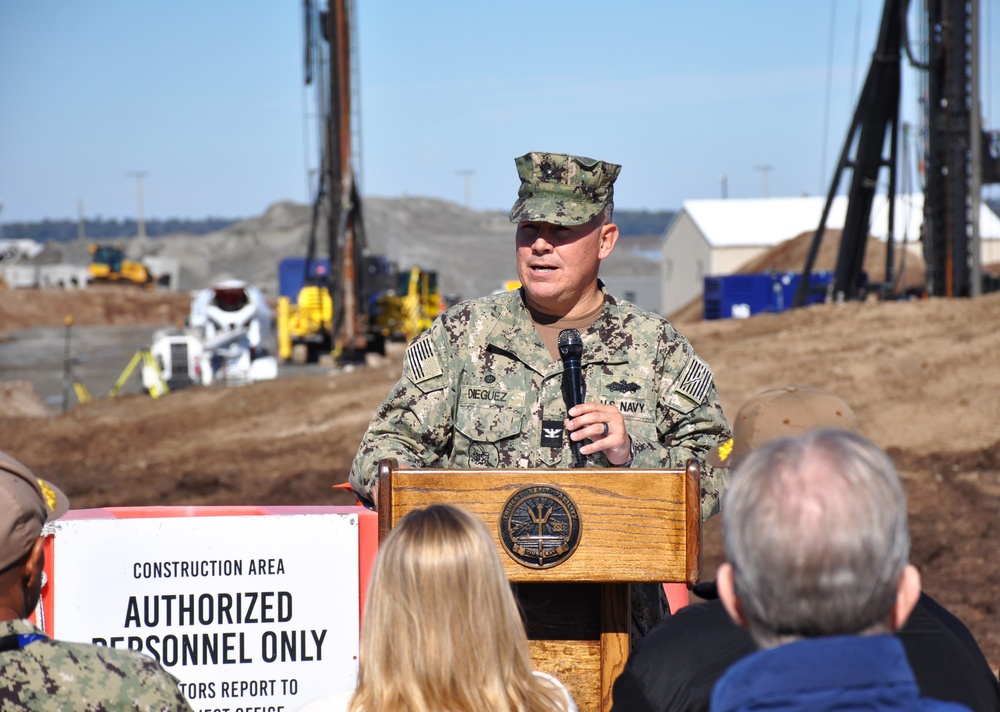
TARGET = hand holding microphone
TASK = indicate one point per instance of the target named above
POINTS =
(604, 422)
(574, 389)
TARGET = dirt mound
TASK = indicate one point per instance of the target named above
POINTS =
(921, 376)
(790, 255)
(96, 305)
(19, 399)
(276, 442)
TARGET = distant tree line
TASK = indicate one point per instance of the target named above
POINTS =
(631, 223)
(100, 229)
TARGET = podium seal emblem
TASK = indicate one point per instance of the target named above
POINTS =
(540, 526)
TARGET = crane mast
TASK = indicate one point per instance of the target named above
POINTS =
(959, 157)
(337, 208)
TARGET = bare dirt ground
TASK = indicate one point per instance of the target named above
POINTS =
(923, 377)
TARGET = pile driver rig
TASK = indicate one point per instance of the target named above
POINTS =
(959, 157)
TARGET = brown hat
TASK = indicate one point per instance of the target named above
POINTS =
(26, 504)
(782, 412)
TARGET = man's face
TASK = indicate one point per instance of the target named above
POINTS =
(557, 264)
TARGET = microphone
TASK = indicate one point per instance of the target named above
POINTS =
(570, 351)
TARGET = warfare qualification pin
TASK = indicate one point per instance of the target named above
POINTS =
(539, 526)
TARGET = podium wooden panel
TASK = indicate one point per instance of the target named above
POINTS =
(636, 526)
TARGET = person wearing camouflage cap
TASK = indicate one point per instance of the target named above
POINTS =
(36, 672)
(562, 190)
(482, 388)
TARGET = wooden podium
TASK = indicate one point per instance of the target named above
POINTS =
(631, 526)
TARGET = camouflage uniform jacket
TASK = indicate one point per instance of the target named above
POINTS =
(479, 390)
(38, 673)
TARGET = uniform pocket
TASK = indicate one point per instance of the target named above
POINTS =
(485, 423)
(486, 436)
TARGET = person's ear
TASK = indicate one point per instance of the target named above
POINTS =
(726, 585)
(35, 565)
(609, 236)
(907, 595)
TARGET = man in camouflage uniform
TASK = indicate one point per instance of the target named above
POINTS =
(36, 672)
(482, 388)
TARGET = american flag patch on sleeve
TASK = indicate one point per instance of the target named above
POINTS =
(422, 361)
(695, 381)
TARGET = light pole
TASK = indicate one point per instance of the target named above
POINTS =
(467, 173)
(764, 170)
(81, 230)
(141, 221)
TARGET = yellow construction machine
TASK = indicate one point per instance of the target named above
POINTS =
(108, 264)
(396, 306)
(305, 327)
(409, 310)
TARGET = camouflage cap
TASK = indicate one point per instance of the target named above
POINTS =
(561, 189)
(780, 413)
(26, 504)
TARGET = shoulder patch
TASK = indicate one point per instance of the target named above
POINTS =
(695, 381)
(422, 360)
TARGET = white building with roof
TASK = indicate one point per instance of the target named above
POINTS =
(710, 238)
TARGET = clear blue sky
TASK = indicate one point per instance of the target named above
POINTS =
(207, 97)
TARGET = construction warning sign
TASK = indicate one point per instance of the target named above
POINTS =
(249, 612)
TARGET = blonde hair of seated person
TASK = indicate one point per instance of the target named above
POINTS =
(441, 629)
